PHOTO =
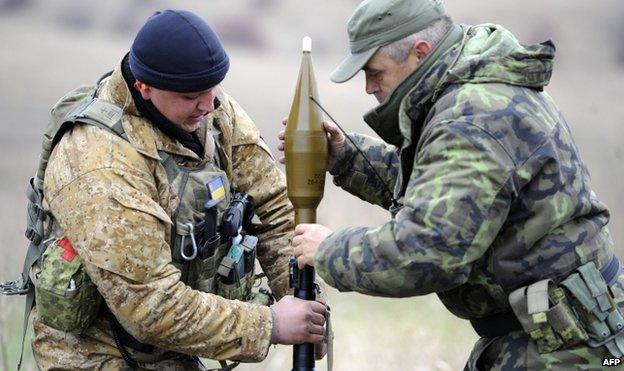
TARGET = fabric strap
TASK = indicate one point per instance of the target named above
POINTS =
(30, 303)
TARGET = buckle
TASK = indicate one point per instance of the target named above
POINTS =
(14, 288)
(33, 236)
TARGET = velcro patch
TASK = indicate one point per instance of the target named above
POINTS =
(216, 188)
(102, 111)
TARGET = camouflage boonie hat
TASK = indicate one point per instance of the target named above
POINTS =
(376, 23)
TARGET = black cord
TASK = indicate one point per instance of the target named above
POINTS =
(131, 362)
(395, 203)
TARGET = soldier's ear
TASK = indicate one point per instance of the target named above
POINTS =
(421, 49)
(144, 89)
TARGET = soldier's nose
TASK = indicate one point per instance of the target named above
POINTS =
(371, 88)
(206, 105)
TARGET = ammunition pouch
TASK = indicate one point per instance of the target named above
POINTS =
(596, 309)
(236, 275)
(197, 277)
(65, 296)
(546, 315)
(580, 309)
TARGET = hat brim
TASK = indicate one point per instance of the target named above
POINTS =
(351, 65)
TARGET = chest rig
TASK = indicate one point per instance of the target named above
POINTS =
(196, 259)
(208, 240)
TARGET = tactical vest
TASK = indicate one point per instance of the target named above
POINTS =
(65, 296)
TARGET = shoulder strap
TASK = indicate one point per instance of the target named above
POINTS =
(88, 110)
(96, 112)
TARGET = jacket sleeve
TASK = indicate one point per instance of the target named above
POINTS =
(102, 194)
(355, 176)
(256, 173)
(456, 201)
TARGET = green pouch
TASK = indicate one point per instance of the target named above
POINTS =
(66, 298)
(546, 316)
(597, 309)
(235, 275)
(562, 319)
(201, 274)
(240, 290)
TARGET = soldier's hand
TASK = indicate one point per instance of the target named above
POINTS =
(336, 142)
(299, 321)
(320, 350)
(306, 242)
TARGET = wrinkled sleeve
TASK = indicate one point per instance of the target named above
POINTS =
(256, 173)
(355, 176)
(455, 204)
(120, 234)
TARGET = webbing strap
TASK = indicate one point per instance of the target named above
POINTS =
(518, 303)
(96, 112)
(329, 340)
(537, 297)
(30, 303)
(32, 255)
(101, 111)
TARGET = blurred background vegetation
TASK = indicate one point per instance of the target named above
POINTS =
(50, 47)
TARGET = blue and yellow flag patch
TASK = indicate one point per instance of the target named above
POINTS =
(216, 188)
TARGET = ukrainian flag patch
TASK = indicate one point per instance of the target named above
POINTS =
(216, 188)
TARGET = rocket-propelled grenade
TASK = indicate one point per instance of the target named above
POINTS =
(305, 144)
(305, 149)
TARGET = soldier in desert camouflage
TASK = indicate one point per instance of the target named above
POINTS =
(492, 207)
(124, 187)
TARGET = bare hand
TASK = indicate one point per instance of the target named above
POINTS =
(336, 143)
(320, 350)
(307, 239)
(299, 321)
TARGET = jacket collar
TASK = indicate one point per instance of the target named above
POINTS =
(143, 136)
(418, 88)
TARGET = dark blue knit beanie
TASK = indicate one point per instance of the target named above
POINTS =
(176, 50)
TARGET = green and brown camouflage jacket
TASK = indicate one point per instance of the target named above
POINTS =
(493, 193)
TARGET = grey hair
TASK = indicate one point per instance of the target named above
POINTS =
(400, 49)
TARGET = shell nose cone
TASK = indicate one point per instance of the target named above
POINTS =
(307, 44)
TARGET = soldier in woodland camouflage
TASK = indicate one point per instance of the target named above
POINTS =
(491, 194)
(119, 196)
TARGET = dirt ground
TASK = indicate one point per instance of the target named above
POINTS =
(48, 48)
